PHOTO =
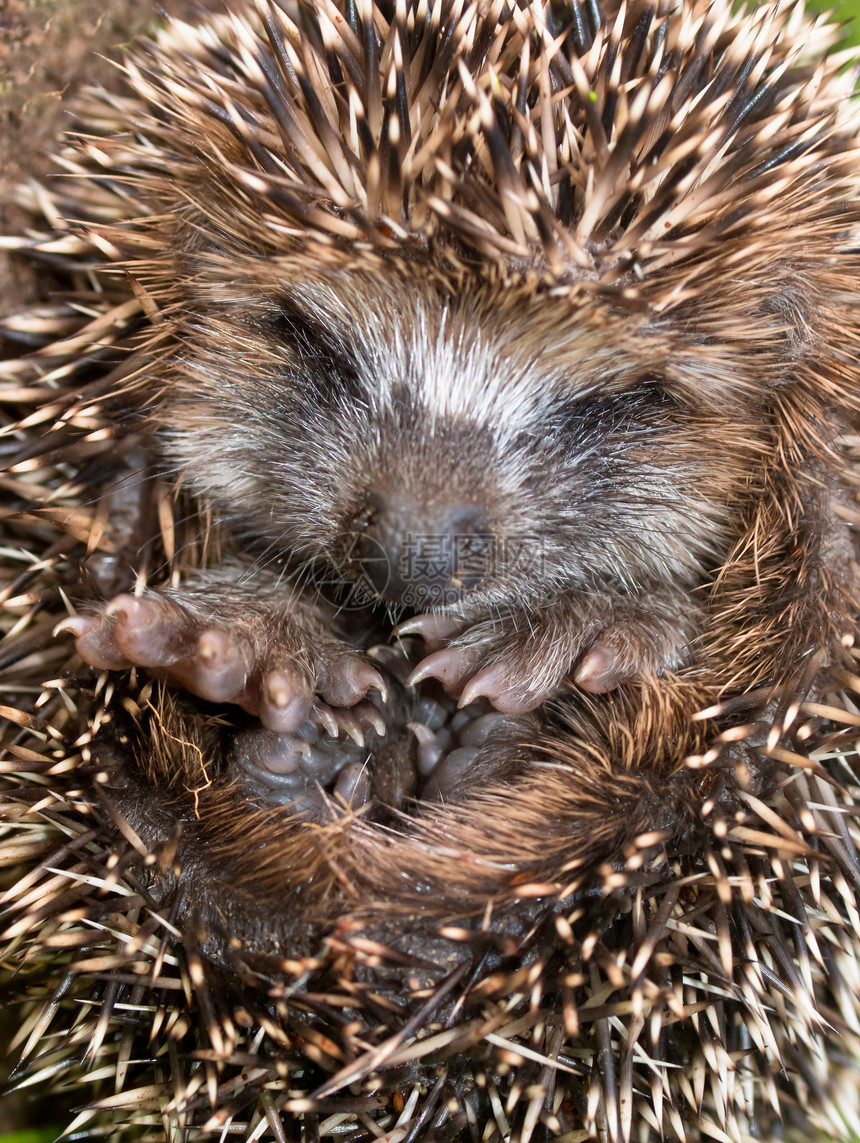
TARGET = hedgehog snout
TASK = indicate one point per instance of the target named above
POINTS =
(421, 553)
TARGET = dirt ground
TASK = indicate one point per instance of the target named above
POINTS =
(49, 49)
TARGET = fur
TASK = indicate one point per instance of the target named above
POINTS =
(592, 275)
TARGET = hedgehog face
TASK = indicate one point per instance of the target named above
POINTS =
(459, 443)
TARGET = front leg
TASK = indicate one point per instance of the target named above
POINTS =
(595, 641)
(268, 650)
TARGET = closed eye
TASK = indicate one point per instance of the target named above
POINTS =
(327, 368)
(642, 404)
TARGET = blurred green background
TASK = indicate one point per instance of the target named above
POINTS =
(848, 12)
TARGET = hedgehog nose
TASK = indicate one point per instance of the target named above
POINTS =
(423, 555)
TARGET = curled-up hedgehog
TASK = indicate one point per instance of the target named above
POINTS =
(443, 459)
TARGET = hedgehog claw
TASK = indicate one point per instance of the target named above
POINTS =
(353, 721)
(450, 666)
(370, 717)
(435, 630)
(323, 715)
(497, 684)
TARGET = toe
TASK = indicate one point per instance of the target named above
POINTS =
(430, 747)
(353, 785)
(219, 669)
(149, 632)
(285, 702)
(348, 678)
(600, 671)
(94, 642)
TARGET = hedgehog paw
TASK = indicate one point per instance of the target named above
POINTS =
(308, 771)
(519, 668)
(464, 671)
(265, 664)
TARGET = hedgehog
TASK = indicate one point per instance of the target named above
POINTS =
(430, 583)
